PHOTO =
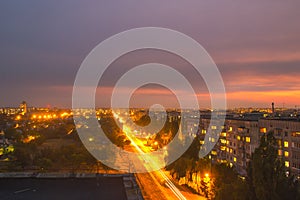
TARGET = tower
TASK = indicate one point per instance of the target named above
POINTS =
(23, 107)
(273, 108)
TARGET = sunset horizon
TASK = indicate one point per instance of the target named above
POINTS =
(257, 54)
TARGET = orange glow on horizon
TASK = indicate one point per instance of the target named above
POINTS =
(284, 91)
(290, 98)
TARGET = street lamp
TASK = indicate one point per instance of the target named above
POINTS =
(206, 175)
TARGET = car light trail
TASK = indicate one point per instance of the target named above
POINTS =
(168, 183)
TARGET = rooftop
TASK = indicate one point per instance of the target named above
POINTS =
(100, 187)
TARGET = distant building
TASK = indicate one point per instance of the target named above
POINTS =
(242, 139)
(239, 138)
(23, 108)
(237, 141)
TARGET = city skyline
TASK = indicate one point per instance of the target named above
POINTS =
(255, 46)
(51, 106)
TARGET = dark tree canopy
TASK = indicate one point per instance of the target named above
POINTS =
(267, 173)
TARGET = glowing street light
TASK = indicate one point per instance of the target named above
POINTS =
(206, 175)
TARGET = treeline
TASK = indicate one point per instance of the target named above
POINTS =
(28, 156)
(113, 132)
(56, 147)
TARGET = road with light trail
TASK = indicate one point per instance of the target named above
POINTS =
(156, 185)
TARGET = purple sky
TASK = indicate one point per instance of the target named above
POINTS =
(256, 46)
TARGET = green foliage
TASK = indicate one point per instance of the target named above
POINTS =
(228, 185)
(113, 131)
(12, 134)
(65, 157)
(237, 190)
(143, 121)
(25, 153)
(224, 182)
(267, 174)
(169, 127)
(193, 150)
(182, 165)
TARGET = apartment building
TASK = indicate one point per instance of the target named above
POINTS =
(287, 133)
(239, 138)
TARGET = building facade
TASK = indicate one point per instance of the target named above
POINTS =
(239, 138)
(287, 133)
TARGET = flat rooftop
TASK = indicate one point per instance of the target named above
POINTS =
(105, 188)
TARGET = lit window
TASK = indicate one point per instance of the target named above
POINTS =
(286, 144)
(234, 159)
(203, 131)
(248, 139)
(238, 137)
(280, 152)
(213, 127)
(230, 151)
(230, 128)
(263, 130)
(223, 141)
(287, 163)
(227, 149)
(286, 154)
(213, 153)
(223, 134)
(223, 148)
(201, 142)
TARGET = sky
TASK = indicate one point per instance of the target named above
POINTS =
(255, 45)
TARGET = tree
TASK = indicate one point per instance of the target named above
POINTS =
(193, 150)
(25, 154)
(228, 185)
(267, 173)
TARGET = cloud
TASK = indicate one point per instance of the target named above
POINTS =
(255, 45)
